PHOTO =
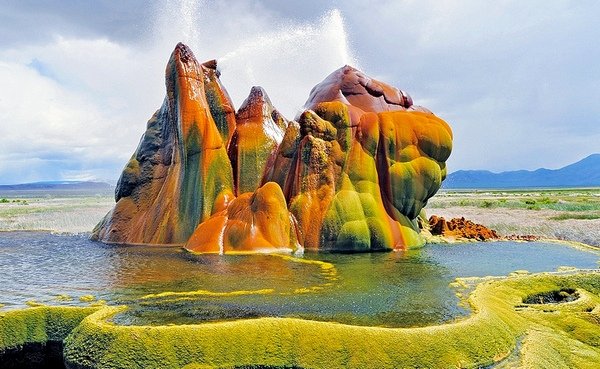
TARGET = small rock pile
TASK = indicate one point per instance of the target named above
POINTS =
(460, 228)
(522, 237)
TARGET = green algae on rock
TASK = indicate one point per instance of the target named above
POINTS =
(259, 131)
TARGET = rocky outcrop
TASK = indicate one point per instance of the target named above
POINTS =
(460, 228)
(259, 131)
(363, 163)
(350, 174)
(180, 167)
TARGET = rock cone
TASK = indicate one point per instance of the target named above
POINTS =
(351, 174)
(180, 166)
(259, 131)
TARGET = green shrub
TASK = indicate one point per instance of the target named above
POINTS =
(487, 204)
(547, 200)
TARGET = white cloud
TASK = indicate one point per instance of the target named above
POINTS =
(76, 104)
(524, 74)
(516, 80)
(87, 109)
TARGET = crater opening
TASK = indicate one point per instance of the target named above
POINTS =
(553, 297)
(47, 355)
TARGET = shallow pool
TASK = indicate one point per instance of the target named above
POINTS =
(168, 285)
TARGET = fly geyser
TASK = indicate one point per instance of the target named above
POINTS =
(350, 174)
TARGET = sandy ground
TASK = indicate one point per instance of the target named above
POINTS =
(526, 222)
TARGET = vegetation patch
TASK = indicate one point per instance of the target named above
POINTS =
(584, 216)
(559, 200)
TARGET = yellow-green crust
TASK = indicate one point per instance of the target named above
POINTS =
(39, 324)
(502, 330)
(562, 334)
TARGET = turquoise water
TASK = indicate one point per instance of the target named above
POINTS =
(388, 289)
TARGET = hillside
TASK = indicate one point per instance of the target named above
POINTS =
(584, 173)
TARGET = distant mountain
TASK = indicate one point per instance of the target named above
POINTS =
(584, 173)
(58, 185)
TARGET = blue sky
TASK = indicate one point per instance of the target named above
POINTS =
(519, 82)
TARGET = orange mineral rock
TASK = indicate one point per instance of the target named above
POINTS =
(178, 170)
(364, 161)
(256, 221)
(351, 174)
(460, 228)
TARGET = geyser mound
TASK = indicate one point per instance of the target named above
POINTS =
(350, 174)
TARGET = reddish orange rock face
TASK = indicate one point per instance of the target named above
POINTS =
(354, 88)
(179, 169)
(256, 221)
(350, 175)
(460, 228)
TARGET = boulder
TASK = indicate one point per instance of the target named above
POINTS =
(460, 228)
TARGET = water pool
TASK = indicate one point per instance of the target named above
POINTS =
(169, 286)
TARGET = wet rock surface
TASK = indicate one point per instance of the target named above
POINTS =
(179, 168)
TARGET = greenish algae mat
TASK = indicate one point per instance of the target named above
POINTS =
(550, 334)
(33, 337)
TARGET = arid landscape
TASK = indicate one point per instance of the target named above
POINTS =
(190, 184)
(45, 212)
(563, 214)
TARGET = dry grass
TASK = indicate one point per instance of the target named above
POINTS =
(57, 214)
